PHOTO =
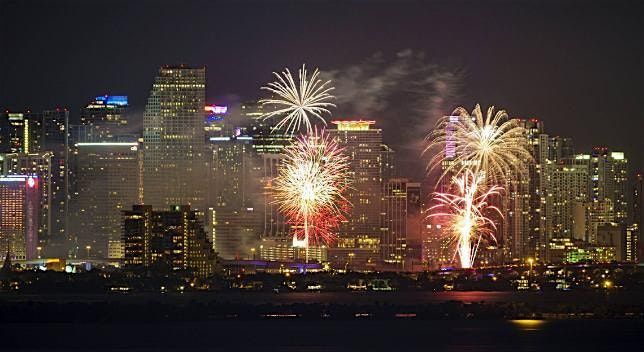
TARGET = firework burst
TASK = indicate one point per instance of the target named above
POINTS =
(464, 211)
(295, 103)
(310, 185)
(494, 146)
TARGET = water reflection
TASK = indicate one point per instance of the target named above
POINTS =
(529, 324)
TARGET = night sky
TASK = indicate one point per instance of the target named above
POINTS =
(577, 65)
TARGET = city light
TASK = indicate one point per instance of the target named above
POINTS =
(216, 109)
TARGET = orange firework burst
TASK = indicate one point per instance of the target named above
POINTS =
(310, 186)
(465, 212)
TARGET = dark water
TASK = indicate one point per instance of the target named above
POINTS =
(301, 334)
(321, 335)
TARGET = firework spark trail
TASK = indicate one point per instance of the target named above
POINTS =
(296, 102)
(310, 185)
(495, 146)
(465, 209)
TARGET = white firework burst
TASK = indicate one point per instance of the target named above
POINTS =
(296, 103)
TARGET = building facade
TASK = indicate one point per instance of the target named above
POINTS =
(173, 138)
(19, 207)
(171, 239)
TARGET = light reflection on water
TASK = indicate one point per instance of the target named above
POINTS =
(529, 324)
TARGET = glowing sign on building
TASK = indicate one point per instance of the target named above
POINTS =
(353, 125)
(216, 109)
(113, 100)
(450, 143)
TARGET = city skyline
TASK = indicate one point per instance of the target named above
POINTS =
(581, 80)
(321, 175)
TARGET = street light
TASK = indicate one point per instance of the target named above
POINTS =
(89, 248)
(252, 250)
(39, 249)
(530, 261)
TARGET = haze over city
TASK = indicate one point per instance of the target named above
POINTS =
(321, 175)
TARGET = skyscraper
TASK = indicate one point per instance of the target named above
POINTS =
(55, 139)
(609, 180)
(568, 184)
(173, 138)
(107, 182)
(234, 195)
(103, 119)
(19, 207)
(360, 234)
(39, 164)
(401, 211)
(20, 132)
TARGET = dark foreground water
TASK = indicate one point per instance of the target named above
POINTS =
(299, 335)
(325, 321)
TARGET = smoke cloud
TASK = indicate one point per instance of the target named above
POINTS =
(405, 94)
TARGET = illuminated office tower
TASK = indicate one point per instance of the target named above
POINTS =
(19, 206)
(620, 187)
(234, 195)
(359, 235)
(535, 238)
(609, 180)
(20, 132)
(233, 172)
(569, 183)
(171, 239)
(34, 164)
(55, 139)
(589, 216)
(173, 138)
(107, 182)
(215, 121)
(401, 208)
(103, 119)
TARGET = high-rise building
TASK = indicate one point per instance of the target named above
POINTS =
(216, 118)
(535, 244)
(568, 184)
(19, 207)
(38, 164)
(55, 139)
(359, 236)
(401, 208)
(234, 196)
(173, 138)
(609, 180)
(103, 120)
(107, 182)
(436, 248)
(20, 132)
(233, 173)
(29, 133)
(171, 239)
